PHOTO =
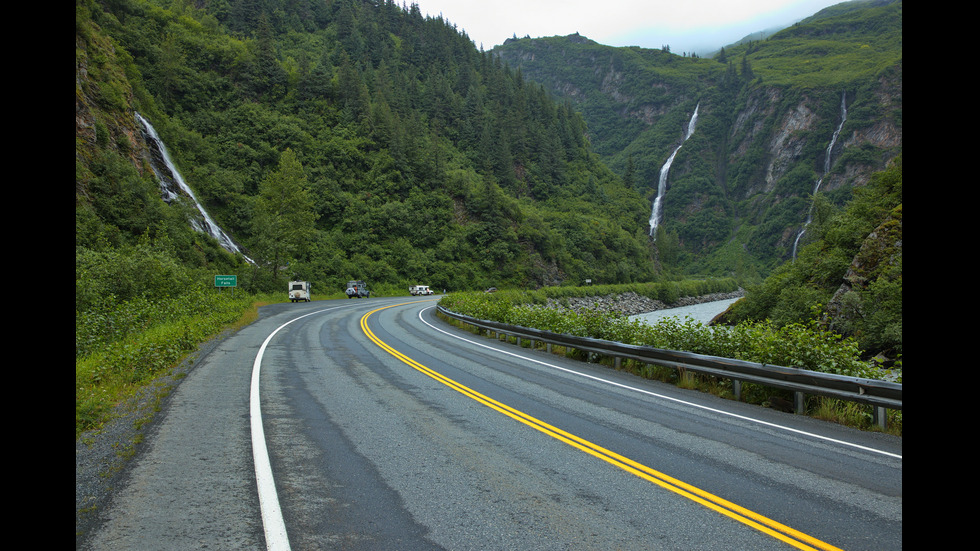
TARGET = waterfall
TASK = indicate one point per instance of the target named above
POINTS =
(662, 182)
(826, 169)
(172, 185)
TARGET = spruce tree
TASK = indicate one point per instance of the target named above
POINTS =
(284, 217)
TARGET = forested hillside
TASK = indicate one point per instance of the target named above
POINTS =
(816, 107)
(407, 154)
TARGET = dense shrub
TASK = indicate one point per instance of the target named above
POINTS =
(138, 311)
(121, 347)
(806, 346)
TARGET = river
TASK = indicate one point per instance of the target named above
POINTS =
(703, 312)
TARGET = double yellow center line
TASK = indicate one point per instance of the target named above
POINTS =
(768, 526)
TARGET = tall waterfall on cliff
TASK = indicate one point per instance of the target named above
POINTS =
(826, 169)
(172, 185)
(655, 214)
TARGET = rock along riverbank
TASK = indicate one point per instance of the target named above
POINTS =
(631, 304)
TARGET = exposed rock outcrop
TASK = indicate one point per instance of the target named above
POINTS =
(880, 254)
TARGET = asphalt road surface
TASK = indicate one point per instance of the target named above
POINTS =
(371, 424)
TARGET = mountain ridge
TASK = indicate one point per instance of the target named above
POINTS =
(763, 135)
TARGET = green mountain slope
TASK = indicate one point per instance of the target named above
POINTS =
(740, 189)
(425, 159)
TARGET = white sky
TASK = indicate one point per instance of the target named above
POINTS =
(686, 26)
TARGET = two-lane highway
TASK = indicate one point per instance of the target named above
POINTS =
(385, 428)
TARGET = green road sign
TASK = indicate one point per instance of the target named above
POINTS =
(226, 281)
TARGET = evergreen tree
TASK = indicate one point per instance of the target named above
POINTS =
(630, 176)
(284, 217)
(269, 72)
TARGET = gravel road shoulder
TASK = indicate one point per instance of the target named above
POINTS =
(102, 457)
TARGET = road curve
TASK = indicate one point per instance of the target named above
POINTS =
(385, 428)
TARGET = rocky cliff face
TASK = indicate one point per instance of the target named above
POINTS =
(104, 117)
(790, 139)
(879, 260)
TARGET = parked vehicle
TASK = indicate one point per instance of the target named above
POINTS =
(418, 290)
(299, 290)
(357, 289)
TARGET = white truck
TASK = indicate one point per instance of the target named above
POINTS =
(299, 290)
(417, 290)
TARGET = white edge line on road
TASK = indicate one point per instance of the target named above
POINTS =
(661, 396)
(275, 528)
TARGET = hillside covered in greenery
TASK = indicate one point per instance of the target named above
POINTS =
(740, 189)
(849, 278)
(407, 154)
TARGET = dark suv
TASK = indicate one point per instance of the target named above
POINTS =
(357, 289)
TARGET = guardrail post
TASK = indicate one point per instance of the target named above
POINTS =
(799, 400)
(880, 415)
(737, 389)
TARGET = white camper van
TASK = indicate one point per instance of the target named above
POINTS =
(417, 290)
(299, 290)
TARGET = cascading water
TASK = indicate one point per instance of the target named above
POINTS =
(172, 185)
(662, 182)
(826, 169)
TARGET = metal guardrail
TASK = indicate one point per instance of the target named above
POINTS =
(882, 395)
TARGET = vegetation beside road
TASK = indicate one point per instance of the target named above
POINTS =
(124, 343)
(807, 345)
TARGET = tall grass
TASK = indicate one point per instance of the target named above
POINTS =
(120, 347)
